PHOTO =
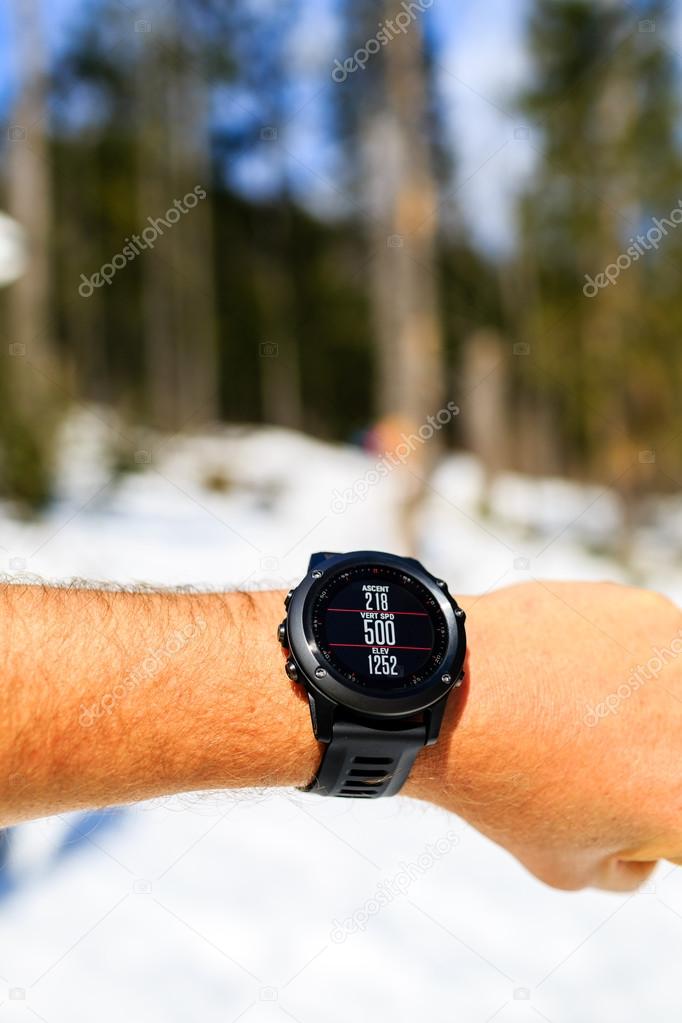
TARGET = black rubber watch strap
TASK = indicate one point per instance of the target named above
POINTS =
(365, 762)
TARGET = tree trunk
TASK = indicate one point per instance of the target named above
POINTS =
(29, 202)
(403, 205)
(28, 407)
(178, 290)
(484, 406)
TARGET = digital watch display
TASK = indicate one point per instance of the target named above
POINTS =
(379, 628)
(378, 645)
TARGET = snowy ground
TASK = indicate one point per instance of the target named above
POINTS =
(224, 907)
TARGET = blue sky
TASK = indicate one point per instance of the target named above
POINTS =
(56, 14)
(482, 64)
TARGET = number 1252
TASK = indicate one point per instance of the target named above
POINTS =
(383, 664)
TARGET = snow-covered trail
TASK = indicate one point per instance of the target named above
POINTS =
(262, 905)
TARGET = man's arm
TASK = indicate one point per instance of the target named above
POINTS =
(568, 751)
(109, 697)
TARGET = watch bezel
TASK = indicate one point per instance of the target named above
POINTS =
(332, 685)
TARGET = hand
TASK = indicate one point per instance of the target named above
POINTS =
(569, 749)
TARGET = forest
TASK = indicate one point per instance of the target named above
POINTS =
(184, 266)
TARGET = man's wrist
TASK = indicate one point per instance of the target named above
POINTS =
(453, 768)
(462, 752)
(279, 746)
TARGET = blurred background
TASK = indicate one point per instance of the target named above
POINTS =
(278, 277)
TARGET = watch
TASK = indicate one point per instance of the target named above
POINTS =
(378, 645)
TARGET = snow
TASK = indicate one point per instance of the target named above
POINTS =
(223, 905)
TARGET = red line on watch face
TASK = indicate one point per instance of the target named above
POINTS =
(383, 646)
(376, 611)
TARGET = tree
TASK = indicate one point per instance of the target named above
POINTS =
(603, 104)
(386, 109)
(29, 401)
(171, 106)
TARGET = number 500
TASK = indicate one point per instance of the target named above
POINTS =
(378, 633)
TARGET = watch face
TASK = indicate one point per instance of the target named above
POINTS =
(380, 629)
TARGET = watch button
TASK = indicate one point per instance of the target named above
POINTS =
(291, 670)
(287, 599)
(282, 633)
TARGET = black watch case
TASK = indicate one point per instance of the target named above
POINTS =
(327, 690)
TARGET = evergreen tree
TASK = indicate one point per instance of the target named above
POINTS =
(601, 370)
